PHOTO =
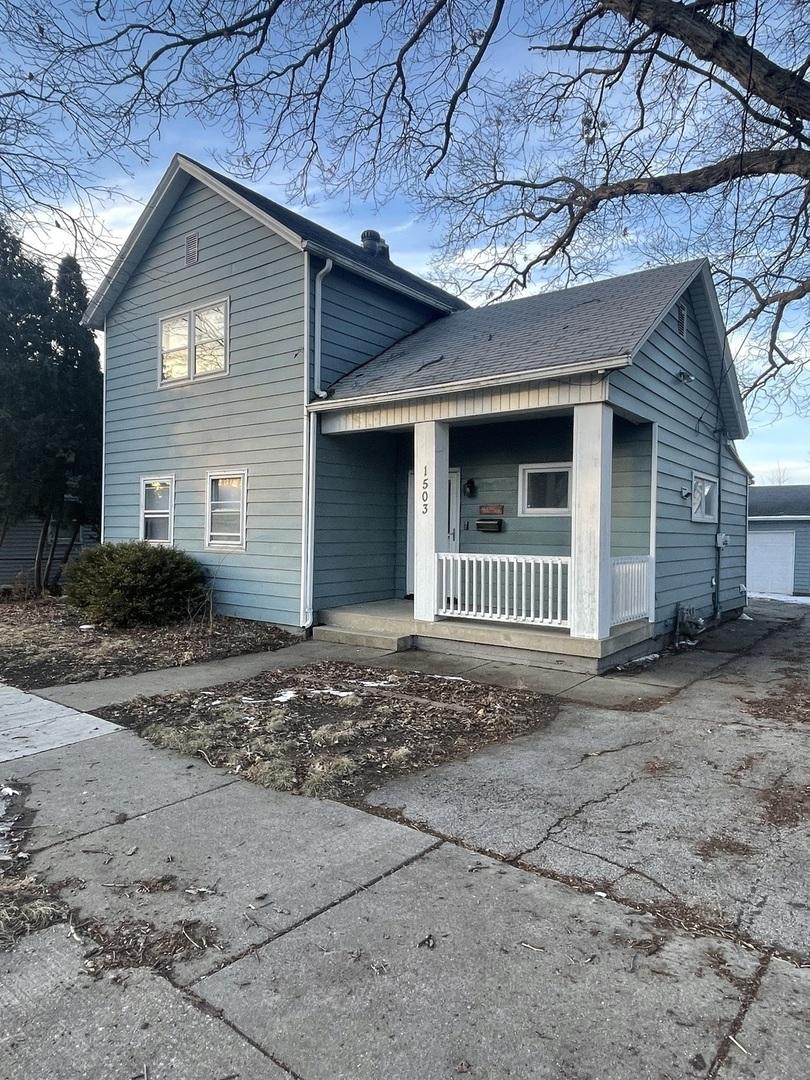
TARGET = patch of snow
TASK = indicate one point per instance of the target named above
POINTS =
(87, 626)
(447, 678)
(364, 682)
(285, 695)
(780, 598)
(744, 618)
(329, 690)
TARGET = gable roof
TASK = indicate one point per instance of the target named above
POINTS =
(779, 500)
(591, 327)
(299, 231)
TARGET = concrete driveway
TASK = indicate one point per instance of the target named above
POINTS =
(621, 895)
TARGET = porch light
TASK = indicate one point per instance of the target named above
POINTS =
(686, 376)
(469, 488)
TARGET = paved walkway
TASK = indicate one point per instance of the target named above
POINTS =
(29, 725)
(350, 946)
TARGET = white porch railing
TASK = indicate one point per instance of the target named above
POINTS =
(631, 579)
(530, 589)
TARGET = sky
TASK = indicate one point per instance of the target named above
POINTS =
(774, 444)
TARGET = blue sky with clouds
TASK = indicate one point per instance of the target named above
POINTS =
(782, 442)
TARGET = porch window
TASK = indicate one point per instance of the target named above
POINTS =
(157, 509)
(704, 497)
(226, 510)
(194, 343)
(545, 489)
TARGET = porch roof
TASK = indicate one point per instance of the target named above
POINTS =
(550, 335)
(601, 322)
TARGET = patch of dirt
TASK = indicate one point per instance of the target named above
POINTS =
(786, 804)
(791, 705)
(42, 644)
(722, 845)
(656, 767)
(720, 966)
(138, 944)
(334, 730)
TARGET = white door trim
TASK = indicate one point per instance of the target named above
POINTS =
(454, 515)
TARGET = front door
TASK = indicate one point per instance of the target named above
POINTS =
(453, 521)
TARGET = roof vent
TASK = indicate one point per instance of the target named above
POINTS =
(192, 248)
(374, 243)
(680, 311)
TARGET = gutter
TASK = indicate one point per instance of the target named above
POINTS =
(541, 375)
(779, 517)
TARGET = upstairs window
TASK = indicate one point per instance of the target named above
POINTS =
(226, 510)
(545, 489)
(157, 509)
(194, 343)
(704, 497)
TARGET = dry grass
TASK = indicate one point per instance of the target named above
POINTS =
(26, 906)
(722, 845)
(334, 730)
(43, 645)
(138, 944)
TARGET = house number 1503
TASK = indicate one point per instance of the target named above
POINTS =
(425, 492)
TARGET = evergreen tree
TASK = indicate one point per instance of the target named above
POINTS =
(50, 400)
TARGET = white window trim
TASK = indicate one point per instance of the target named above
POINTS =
(189, 313)
(218, 545)
(543, 466)
(711, 479)
(166, 478)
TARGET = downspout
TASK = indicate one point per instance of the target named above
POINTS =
(310, 438)
(305, 457)
(718, 551)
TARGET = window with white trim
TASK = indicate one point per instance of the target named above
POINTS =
(226, 505)
(157, 509)
(544, 489)
(704, 497)
(194, 343)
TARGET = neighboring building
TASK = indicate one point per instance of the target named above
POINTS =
(18, 549)
(779, 539)
(330, 434)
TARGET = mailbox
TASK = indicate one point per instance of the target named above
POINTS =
(489, 524)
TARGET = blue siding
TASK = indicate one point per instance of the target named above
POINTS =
(688, 420)
(252, 418)
(358, 493)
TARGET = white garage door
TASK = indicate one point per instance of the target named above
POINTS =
(770, 562)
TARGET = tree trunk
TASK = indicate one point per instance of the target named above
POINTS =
(43, 536)
(68, 552)
(49, 564)
(3, 530)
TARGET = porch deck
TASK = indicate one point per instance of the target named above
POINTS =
(395, 619)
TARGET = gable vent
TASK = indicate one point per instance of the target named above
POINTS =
(192, 248)
(680, 311)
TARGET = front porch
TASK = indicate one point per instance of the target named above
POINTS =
(391, 624)
(530, 533)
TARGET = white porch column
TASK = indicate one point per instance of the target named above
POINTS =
(431, 460)
(590, 600)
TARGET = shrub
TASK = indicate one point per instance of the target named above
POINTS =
(136, 584)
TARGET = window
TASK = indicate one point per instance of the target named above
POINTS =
(157, 509)
(704, 497)
(194, 343)
(226, 510)
(545, 489)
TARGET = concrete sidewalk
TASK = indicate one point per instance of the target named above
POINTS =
(350, 947)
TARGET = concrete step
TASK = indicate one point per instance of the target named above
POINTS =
(373, 621)
(366, 639)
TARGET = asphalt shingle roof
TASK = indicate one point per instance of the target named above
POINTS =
(591, 322)
(337, 246)
(781, 500)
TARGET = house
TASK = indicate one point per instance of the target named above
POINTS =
(18, 549)
(332, 436)
(779, 539)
